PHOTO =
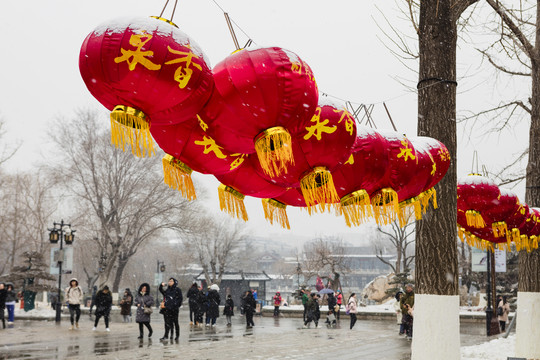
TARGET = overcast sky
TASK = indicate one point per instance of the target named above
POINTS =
(40, 79)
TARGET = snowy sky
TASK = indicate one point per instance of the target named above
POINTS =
(40, 80)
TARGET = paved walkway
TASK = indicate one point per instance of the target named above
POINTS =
(271, 338)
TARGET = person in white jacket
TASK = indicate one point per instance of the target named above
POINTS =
(351, 308)
(74, 298)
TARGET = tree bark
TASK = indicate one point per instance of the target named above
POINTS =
(436, 248)
(119, 272)
(529, 263)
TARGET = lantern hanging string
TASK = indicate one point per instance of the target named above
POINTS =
(174, 9)
(227, 17)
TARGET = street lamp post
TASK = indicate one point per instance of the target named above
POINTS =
(492, 324)
(60, 232)
(298, 272)
(160, 269)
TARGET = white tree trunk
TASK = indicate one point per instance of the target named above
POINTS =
(528, 325)
(436, 327)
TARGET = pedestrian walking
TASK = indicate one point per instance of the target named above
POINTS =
(330, 319)
(11, 299)
(310, 311)
(74, 297)
(192, 295)
(407, 303)
(93, 300)
(277, 303)
(103, 307)
(249, 304)
(305, 299)
(339, 302)
(172, 300)
(332, 302)
(228, 310)
(503, 309)
(352, 308)
(3, 293)
(202, 306)
(399, 315)
(144, 303)
(317, 314)
(214, 301)
(125, 305)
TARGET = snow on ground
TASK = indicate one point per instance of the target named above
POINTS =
(37, 313)
(498, 349)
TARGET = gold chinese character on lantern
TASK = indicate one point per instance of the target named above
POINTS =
(238, 161)
(349, 122)
(319, 127)
(183, 72)
(210, 145)
(406, 152)
(137, 56)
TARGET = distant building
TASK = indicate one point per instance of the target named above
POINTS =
(236, 284)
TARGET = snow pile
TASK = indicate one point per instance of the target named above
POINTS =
(498, 349)
(38, 313)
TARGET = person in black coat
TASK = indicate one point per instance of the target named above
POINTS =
(93, 301)
(214, 300)
(248, 302)
(202, 306)
(192, 295)
(143, 302)
(172, 299)
(332, 302)
(103, 306)
(3, 293)
(228, 310)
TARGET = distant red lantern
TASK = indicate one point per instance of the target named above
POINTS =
(145, 70)
(260, 96)
(475, 194)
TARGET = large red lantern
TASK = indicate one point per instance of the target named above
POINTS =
(261, 96)
(361, 175)
(402, 165)
(145, 70)
(324, 143)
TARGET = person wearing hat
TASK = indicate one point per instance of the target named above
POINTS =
(74, 298)
(125, 305)
(277, 303)
(103, 306)
(214, 300)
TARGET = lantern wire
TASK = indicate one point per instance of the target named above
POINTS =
(239, 28)
(174, 9)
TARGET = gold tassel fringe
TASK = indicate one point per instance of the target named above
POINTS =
(232, 202)
(130, 126)
(318, 188)
(274, 150)
(405, 209)
(474, 219)
(356, 207)
(499, 228)
(430, 194)
(275, 210)
(385, 206)
(178, 176)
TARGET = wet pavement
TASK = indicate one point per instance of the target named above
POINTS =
(271, 338)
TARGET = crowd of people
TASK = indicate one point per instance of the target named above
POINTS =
(204, 307)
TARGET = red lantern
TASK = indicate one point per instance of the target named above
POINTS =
(361, 175)
(402, 165)
(324, 144)
(475, 195)
(260, 96)
(144, 70)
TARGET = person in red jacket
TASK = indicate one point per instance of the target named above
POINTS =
(339, 301)
(277, 303)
